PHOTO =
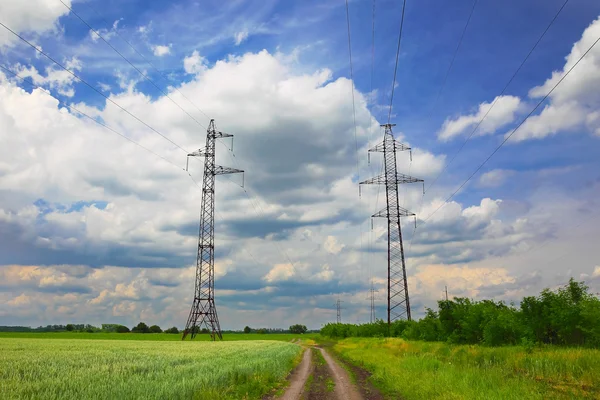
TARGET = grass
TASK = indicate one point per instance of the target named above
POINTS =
(155, 336)
(418, 370)
(110, 369)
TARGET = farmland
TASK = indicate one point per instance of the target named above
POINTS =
(419, 370)
(158, 369)
(152, 336)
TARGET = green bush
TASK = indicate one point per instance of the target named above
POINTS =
(568, 316)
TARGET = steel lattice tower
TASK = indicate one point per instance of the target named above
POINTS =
(398, 306)
(203, 311)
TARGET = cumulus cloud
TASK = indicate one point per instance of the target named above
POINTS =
(504, 111)
(574, 104)
(462, 280)
(280, 272)
(194, 63)
(35, 16)
(90, 219)
(55, 78)
(161, 50)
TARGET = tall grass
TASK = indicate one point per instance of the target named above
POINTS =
(98, 369)
(420, 370)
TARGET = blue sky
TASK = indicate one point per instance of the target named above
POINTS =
(99, 230)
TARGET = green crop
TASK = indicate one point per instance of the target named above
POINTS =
(116, 369)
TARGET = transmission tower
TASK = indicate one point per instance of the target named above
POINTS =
(203, 311)
(372, 298)
(398, 303)
(338, 306)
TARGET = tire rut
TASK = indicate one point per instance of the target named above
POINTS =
(344, 388)
(298, 378)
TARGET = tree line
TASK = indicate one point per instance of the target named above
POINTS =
(106, 328)
(569, 315)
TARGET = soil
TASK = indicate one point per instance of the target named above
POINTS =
(298, 378)
(322, 386)
(365, 386)
(344, 388)
(321, 377)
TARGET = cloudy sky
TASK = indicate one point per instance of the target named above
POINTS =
(99, 223)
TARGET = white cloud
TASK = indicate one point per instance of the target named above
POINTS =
(503, 112)
(160, 50)
(194, 63)
(573, 106)
(332, 245)
(33, 16)
(495, 178)
(289, 123)
(280, 272)
(56, 77)
(461, 280)
(596, 272)
(239, 37)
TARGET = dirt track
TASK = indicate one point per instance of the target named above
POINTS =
(319, 388)
(298, 378)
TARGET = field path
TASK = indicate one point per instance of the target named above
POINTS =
(298, 378)
(344, 388)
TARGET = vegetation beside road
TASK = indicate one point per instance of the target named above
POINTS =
(567, 316)
(97, 369)
(420, 370)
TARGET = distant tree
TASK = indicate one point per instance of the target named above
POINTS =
(204, 330)
(155, 329)
(172, 330)
(141, 328)
(298, 329)
(70, 327)
(262, 331)
(122, 329)
(247, 329)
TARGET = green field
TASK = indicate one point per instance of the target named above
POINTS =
(287, 337)
(420, 370)
(111, 369)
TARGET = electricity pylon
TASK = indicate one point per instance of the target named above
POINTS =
(338, 305)
(398, 306)
(372, 291)
(203, 306)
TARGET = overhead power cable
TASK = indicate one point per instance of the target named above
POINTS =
(354, 120)
(501, 93)
(146, 77)
(514, 130)
(462, 36)
(162, 74)
(352, 79)
(397, 56)
(92, 87)
(72, 108)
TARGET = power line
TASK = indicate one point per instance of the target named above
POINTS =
(132, 65)
(352, 79)
(397, 55)
(462, 36)
(501, 93)
(91, 86)
(70, 107)
(514, 130)
(164, 76)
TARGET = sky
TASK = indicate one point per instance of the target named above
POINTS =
(99, 219)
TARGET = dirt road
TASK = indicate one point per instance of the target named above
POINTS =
(319, 377)
(298, 378)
